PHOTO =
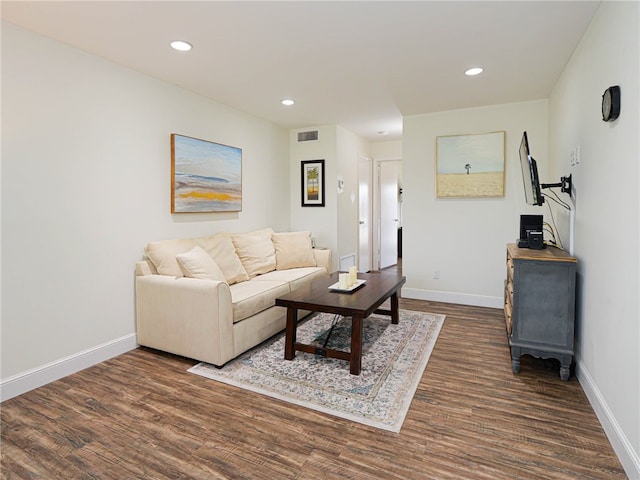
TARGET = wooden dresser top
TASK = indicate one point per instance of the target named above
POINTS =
(549, 254)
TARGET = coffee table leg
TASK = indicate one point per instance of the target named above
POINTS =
(290, 333)
(395, 314)
(356, 345)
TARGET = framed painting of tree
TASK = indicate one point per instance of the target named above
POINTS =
(470, 165)
(312, 188)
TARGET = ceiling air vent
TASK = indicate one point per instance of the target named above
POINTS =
(310, 136)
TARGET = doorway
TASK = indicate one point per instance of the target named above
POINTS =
(390, 212)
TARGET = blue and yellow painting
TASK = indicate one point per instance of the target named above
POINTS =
(207, 176)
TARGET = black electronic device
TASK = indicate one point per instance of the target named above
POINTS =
(532, 186)
(532, 192)
(530, 223)
(611, 104)
(535, 240)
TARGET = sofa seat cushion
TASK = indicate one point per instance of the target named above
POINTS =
(252, 297)
(295, 276)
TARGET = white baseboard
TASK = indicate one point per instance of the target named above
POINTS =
(628, 457)
(452, 297)
(39, 376)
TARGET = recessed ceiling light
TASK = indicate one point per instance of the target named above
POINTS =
(288, 102)
(474, 71)
(181, 45)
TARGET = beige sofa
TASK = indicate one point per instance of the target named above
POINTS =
(213, 298)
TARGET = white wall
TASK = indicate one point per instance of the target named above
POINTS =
(607, 217)
(464, 239)
(335, 225)
(391, 150)
(86, 169)
(320, 221)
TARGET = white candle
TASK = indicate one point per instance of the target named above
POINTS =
(353, 275)
(343, 281)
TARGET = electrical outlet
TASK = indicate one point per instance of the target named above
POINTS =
(436, 274)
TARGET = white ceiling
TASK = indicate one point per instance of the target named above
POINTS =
(359, 64)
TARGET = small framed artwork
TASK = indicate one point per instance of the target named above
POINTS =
(470, 165)
(205, 176)
(312, 188)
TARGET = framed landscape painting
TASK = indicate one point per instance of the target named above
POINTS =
(470, 165)
(312, 188)
(205, 176)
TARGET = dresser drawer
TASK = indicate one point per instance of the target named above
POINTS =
(508, 304)
(508, 292)
(510, 268)
(508, 312)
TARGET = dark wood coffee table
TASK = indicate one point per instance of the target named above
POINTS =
(358, 305)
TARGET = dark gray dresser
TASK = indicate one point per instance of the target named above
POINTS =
(539, 305)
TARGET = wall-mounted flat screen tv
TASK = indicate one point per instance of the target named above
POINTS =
(530, 177)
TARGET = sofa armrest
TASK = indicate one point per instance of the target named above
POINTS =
(145, 267)
(324, 258)
(186, 316)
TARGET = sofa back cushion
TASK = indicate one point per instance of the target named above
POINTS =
(220, 247)
(293, 250)
(255, 250)
(196, 263)
(163, 254)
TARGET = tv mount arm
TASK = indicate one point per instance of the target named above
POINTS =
(564, 184)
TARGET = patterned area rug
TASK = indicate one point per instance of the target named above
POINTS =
(394, 357)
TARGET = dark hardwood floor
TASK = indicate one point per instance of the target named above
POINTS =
(142, 416)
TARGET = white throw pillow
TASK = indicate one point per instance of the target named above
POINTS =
(293, 250)
(163, 255)
(255, 251)
(197, 263)
(220, 247)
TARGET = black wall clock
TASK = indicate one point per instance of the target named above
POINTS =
(611, 104)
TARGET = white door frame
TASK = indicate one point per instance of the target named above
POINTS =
(369, 215)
